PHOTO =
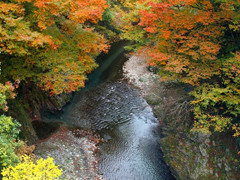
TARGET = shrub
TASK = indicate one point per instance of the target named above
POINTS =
(9, 130)
(7, 152)
(9, 127)
(27, 169)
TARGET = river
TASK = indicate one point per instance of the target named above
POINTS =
(124, 120)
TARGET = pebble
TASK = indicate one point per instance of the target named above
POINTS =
(74, 155)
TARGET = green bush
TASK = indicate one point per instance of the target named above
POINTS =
(9, 127)
(7, 152)
(9, 131)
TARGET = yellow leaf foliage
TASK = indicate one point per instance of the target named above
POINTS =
(42, 169)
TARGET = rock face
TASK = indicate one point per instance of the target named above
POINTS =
(29, 104)
(189, 155)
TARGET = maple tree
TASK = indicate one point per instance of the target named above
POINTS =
(16, 36)
(183, 37)
(216, 104)
(51, 42)
(192, 41)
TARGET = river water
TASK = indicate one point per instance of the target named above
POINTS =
(124, 120)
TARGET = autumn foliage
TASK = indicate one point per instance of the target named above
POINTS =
(53, 43)
(193, 42)
(28, 169)
(50, 42)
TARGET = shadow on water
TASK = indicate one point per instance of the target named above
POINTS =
(124, 120)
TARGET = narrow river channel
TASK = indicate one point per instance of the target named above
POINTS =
(124, 120)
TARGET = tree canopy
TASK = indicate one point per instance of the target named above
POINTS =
(49, 42)
(194, 42)
(54, 43)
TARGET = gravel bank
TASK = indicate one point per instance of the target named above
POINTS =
(135, 71)
(74, 151)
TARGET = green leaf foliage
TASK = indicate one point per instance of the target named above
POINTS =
(217, 105)
(9, 131)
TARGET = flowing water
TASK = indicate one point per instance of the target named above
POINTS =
(124, 120)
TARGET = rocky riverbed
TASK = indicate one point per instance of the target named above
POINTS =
(74, 151)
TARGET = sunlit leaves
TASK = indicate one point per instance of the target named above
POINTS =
(78, 11)
(217, 106)
(65, 69)
(185, 40)
(16, 37)
(53, 43)
(185, 29)
(29, 169)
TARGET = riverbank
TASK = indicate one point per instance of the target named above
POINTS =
(74, 151)
(189, 155)
(135, 71)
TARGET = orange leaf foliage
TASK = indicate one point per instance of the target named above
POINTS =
(78, 11)
(185, 35)
(57, 55)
